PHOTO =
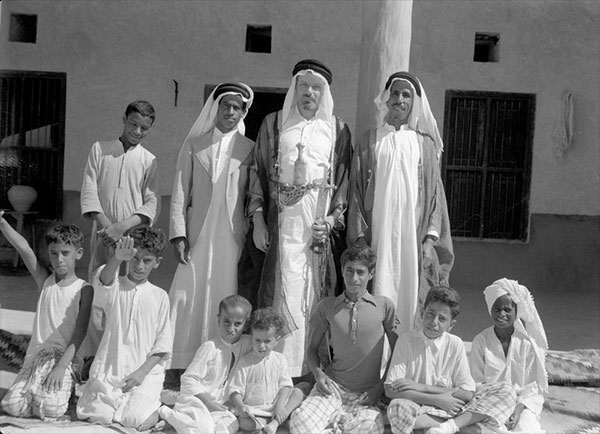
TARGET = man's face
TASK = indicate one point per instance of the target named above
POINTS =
(356, 277)
(141, 265)
(400, 102)
(135, 128)
(309, 90)
(230, 113)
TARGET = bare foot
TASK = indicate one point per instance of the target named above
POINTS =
(149, 423)
(271, 427)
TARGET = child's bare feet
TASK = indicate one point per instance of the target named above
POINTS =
(149, 423)
(271, 427)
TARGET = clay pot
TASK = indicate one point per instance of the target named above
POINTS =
(21, 197)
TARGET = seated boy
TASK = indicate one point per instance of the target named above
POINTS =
(43, 386)
(355, 324)
(200, 406)
(429, 380)
(127, 374)
(513, 350)
(261, 385)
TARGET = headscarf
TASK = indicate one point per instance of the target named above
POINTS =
(420, 118)
(208, 116)
(528, 320)
(325, 109)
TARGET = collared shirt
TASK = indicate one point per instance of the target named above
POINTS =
(435, 362)
(356, 337)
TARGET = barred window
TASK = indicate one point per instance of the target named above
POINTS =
(486, 167)
(32, 136)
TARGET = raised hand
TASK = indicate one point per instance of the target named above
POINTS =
(124, 251)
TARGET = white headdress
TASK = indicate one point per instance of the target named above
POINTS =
(325, 109)
(528, 320)
(420, 118)
(208, 116)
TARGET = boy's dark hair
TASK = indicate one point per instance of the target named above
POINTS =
(233, 301)
(446, 295)
(144, 108)
(359, 253)
(147, 238)
(265, 318)
(68, 234)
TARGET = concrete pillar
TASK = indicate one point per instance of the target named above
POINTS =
(385, 49)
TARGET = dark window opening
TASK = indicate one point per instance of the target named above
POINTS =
(23, 28)
(32, 136)
(486, 47)
(486, 167)
(258, 39)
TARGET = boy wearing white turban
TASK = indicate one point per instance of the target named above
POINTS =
(513, 351)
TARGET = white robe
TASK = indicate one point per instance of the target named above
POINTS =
(520, 368)
(55, 316)
(395, 221)
(211, 275)
(209, 373)
(295, 231)
(137, 326)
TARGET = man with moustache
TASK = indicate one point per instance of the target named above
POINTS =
(297, 199)
(397, 203)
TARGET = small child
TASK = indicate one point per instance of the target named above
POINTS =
(201, 405)
(261, 389)
(127, 374)
(44, 383)
(429, 380)
(513, 350)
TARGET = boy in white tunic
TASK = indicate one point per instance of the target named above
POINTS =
(120, 184)
(513, 350)
(44, 383)
(261, 389)
(201, 406)
(429, 380)
(120, 190)
(129, 369)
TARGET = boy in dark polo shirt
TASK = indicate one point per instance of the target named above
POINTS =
(348, 387)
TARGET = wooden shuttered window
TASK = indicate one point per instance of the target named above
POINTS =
(32, 136)
(486, 168)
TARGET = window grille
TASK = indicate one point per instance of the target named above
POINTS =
(486, 168)
(32, 135)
